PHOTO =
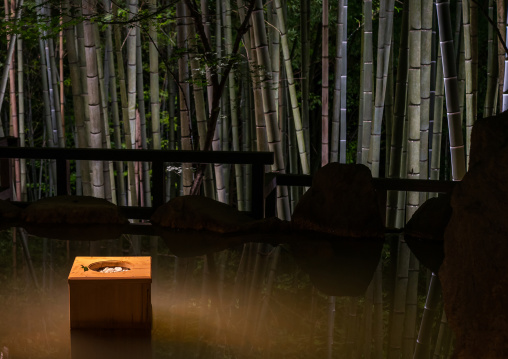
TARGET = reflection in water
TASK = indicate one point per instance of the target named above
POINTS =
(107, 344)
(229, 312)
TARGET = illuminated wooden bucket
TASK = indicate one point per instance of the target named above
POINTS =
(119, 300)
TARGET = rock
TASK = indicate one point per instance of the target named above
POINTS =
(489, 135)
(196, 225)
(118, 269)
(338, 231)
(474, 274)
(199, 213)
(10, 215)
(72, 210)
(424, 232)
(341, 202)
(74, 218)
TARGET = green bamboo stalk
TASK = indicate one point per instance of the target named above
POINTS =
(10, 52)
(216, 143)
(501, 26)
(360, 111)
(274, 36)
(383, 56)
(13, 113)
(343, 88)
(117, 133)
(472, 68)
(80, 43)
(451, 93)
(233, 107)
(414, 103)
(23, 196)
(334, 149)
(199, 103)
(292, 89)
(131, 71)
(425, 84)
(145, 176)
(437, 129)
(246, 136)
(109, 175)
(184, 92)
(52, 104)
(367, 86)
(56, 92)
(325, 67)
(492, 68)
(305, 68)
(94, 103)
(154, 78)
(269, 106)
(389, 109)
(433, 87)
(132, 199)
(461, 74)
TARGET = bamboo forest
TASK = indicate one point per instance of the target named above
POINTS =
(253, 179)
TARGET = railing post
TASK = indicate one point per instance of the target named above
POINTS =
(158, 184)
(258, 185)
(61, 177)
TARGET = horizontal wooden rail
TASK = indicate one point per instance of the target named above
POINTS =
(94, 154)
(158, 158)
(388, 184)
(382, 185)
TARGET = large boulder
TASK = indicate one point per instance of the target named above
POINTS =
(337, 230)
(424, 233)
(474, 274)
(196, 225)
(74, 218)
(9, 215)
(341, 202)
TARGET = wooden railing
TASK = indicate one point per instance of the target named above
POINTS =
(382, 186)
(157, 158)
(263, 188)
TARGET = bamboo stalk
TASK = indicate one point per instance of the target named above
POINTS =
(292, 90)
(451, 91)
(367, 86)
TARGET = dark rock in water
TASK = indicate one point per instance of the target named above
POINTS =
(76, 232)
(336, 234)
(341, 202)
(424, 232)
(9, 215)
(74, 218)
(73, 210)
(338, 231)
(474, 274)
(200, 213)
(337, 266)
(196, 225)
